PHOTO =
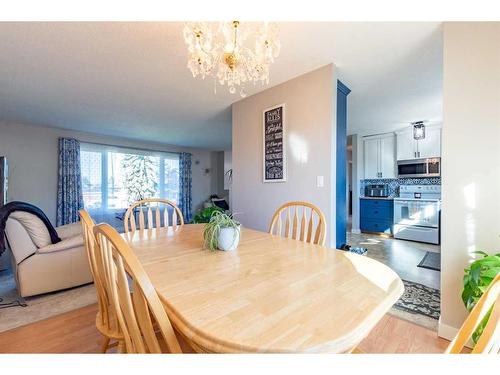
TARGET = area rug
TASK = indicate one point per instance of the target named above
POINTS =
(39, 307)
(419, 304)
(431, 261)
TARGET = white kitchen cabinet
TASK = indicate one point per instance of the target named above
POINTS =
(409, 148)
(430, 146)
(388, 156)
(371, 151)
(380, 156)
(405, 145)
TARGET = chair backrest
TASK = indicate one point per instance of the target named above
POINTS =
(157, 215)
(107, 312)
(302, 221)
(136, 303)
(489, 342)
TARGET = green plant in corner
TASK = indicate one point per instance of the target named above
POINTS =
(204, 215)
(478, 276)
(218, 221)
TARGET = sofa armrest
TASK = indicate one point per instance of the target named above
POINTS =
(66, 244)
(69, 230)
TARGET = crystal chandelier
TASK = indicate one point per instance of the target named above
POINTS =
(235, 55)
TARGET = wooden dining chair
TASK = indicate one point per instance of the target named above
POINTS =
(489, 341)
(140, 313)
(157, 215)
(303, 221)
(106, 321)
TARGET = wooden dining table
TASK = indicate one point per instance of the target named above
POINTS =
(271, 294)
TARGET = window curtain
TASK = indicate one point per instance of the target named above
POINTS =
(185, 182)
(69, 183)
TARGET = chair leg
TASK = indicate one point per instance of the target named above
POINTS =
(105, 345)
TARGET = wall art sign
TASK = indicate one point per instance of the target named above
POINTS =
(274, 144)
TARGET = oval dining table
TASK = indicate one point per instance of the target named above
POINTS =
(271, 294)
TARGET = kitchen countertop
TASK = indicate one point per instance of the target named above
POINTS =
(379, 198)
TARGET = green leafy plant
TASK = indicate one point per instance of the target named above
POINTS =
(218, 221)
(478, 276)
(204, 215)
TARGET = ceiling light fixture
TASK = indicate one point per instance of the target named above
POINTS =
(418, 130)
(227, 54)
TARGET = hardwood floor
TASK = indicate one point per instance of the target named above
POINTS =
(71, 332)
(393, 335)
(75, 332)
(400, 255)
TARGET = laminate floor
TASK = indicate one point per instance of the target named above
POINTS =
(402, 256)
(75, 332)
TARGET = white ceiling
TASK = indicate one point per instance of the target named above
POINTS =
(131, 79)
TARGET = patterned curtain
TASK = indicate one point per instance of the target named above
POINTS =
(185, 181)
(69, 183)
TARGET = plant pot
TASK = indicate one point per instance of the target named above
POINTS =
(228, 238)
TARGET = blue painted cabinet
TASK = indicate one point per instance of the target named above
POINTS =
(377, 215)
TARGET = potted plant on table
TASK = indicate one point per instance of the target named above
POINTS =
(221, 232)
(477, 278)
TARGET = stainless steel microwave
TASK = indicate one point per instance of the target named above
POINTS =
(419, 168)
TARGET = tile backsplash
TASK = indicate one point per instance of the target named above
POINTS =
(394, 183)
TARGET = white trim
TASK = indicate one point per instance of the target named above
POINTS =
(356, 231)
(283, 123)
(448, 332)
(445, 331)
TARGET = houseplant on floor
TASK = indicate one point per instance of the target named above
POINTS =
(204, 215)
(221, 232)
(477, 278)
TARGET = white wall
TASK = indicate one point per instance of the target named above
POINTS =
(310, 121)
(32, 156)
(470, 157)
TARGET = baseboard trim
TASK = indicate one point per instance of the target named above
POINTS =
(448, 332)
(445, 331)
(356, 231)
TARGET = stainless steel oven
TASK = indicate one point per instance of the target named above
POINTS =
(419, 168)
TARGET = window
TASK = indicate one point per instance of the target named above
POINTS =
(115, 177)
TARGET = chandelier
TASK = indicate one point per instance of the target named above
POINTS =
(418, 130)
(235, 55)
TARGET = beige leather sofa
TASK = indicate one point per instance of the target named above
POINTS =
(46, 267)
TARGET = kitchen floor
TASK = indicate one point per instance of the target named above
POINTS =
(402, 256)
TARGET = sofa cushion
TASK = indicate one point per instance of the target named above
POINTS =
(20, 242)
(65, 244)
(69, 230)
(34, 226)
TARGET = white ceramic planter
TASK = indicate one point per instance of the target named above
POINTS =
(228, 238)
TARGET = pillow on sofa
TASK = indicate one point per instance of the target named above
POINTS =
(34, 226)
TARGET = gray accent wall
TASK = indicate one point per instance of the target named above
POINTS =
(32, 156)
(310, 123)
